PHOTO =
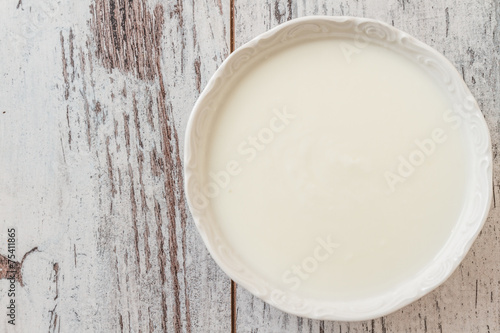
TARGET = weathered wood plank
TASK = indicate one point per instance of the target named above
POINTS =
(96, 95)
(467, 33)
(92, 113)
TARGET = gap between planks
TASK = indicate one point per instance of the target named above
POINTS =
(231, 49)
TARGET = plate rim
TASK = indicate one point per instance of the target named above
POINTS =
(315, 309)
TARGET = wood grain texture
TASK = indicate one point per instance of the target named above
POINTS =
(94, 100)
(95, 97)
(467, 33)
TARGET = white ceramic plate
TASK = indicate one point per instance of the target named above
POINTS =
(467, 227)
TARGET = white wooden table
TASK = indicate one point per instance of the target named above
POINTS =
(94, 100)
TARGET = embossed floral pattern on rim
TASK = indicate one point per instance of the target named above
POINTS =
(467, 227)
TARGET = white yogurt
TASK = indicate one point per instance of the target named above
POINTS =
(336, 177)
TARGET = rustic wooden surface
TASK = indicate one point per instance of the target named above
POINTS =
(94, 99)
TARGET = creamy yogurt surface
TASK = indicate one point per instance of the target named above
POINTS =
(336, 172)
